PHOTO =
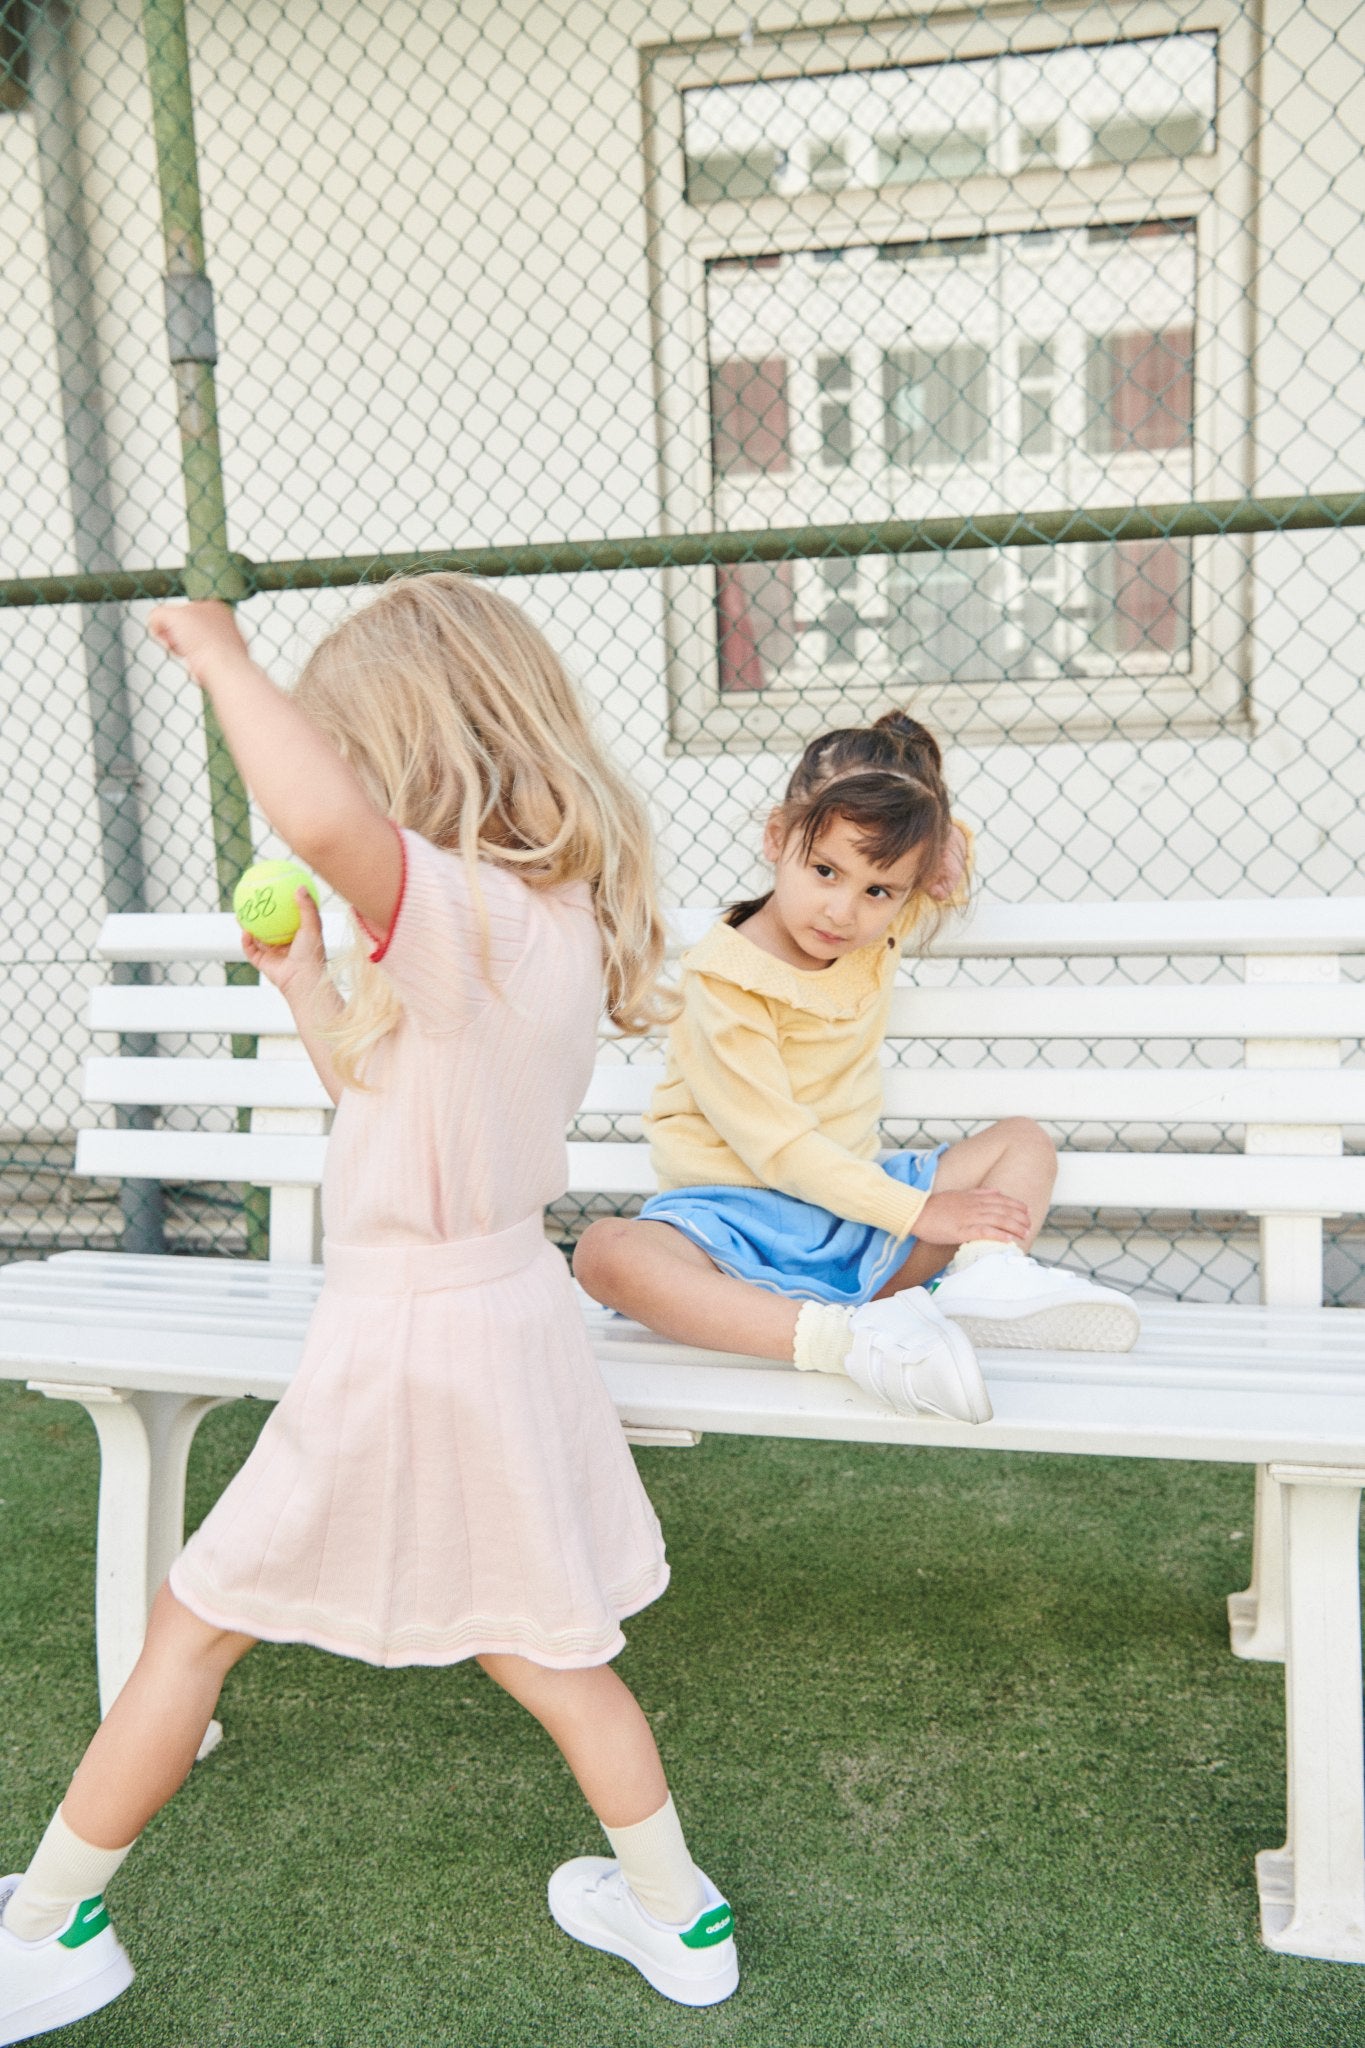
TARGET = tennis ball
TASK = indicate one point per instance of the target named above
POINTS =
(263, 901)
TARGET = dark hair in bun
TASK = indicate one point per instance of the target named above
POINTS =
(885, 779)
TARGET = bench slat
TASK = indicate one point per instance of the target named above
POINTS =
(238, 1084)
(1234, 1095)
(993, 930)
(1181, 1181)
(250, 1011)
(1155, 1011)
(259, 1158)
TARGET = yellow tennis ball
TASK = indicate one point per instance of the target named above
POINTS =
(263, 901)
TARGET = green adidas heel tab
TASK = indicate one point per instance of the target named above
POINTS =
(715, 1924)
(91, 1917)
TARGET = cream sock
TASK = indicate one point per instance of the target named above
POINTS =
(824, 1337)
(657, 1867)
(976, 1248)
(64, 1871)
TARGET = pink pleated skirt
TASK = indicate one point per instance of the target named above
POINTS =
(445, 1477)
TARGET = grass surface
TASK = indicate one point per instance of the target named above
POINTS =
(960, 1736)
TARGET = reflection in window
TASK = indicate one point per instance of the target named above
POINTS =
(1139, 597)
(946, 622)
(840, 621)
(755, 623)
(730, 174)
(749, 418)
(935, 406)
(827, 165)
(932, 153)
(834, 380)
(1140, 391)
(1037, 396)
(1124, 140)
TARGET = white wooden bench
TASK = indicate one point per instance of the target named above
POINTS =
(149, 1345)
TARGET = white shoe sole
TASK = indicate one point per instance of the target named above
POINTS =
(63, 2007)
(1056, 1326)
(682, 1989)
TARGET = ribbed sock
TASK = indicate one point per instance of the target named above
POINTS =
(657, 1867)
(64, 1871)
(824, 1337)
(976, 1248)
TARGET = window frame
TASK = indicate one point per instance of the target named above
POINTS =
(1214, 190)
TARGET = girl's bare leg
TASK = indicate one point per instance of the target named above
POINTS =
(143, 1749)
(658, 1277)
(1014, 1157)
(600, 1730)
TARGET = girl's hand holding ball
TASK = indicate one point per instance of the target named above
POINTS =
(276, 904)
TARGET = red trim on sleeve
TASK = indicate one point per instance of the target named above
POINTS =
(381, 946)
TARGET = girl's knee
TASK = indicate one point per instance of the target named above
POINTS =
(1023, 1131)
(175, 1630)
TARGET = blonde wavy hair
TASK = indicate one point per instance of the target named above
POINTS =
(462, 724)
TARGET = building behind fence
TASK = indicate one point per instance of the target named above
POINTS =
(1001, 362)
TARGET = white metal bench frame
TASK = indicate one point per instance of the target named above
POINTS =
(113, 1333)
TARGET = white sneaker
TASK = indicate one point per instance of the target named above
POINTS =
(906, 1353)
(49, 1983)
(693, 1965)
(1006, 1298)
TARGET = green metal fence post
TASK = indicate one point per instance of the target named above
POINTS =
(211, 570)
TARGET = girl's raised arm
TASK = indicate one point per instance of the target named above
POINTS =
(311, 797)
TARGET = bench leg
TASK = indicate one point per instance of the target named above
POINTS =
(144, 1451)
(1256, 1616)
(1313, 1890)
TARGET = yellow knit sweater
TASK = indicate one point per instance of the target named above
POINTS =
(774, 1077)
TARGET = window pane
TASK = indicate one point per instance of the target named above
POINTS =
(935, 406)
(749, 421)
(931, 153)
(1037, 394)
(834, 379)
(1140, 391)
(945, 620)
(1139, 594)
(730, 174)
(755, 623)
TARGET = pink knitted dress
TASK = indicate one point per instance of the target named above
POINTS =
(446, 1474)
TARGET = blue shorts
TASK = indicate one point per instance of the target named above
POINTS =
(792, 1247)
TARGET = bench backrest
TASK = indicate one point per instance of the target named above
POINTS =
(1285, 1088)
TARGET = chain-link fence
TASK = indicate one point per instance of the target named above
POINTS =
(997, 361)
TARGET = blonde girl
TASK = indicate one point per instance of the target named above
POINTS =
(781, 1230)
(446, 1476)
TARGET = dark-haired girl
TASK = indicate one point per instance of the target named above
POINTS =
(781, 1230)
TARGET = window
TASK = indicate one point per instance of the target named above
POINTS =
(749, 416)
(1038, 378)
(834, 380)
(1140, 389)
(755, 623)
(896, 282)
(935, 405)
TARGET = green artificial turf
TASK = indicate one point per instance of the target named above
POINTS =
(959, 1735)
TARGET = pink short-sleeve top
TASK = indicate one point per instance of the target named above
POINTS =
(460, 1131)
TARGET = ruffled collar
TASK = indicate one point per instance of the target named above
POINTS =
(838, 991)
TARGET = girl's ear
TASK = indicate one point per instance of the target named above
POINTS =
(774, 838)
